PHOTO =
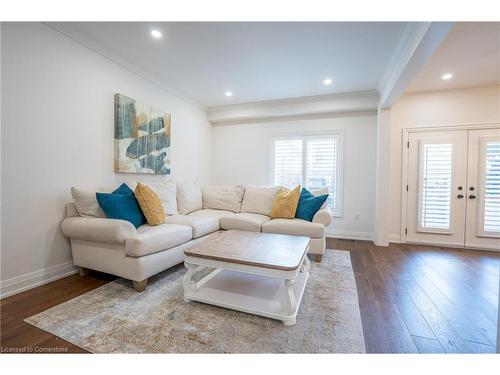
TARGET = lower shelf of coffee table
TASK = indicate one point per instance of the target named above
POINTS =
(254, 294)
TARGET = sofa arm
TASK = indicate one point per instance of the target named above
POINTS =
(98, 229)
(323, 216)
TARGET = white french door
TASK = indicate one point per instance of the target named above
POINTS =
(453, 188)
(483, 194)
(436, 187)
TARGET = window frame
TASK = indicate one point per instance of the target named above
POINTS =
(304, 136)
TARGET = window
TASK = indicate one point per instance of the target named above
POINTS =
(311, 160)
(492, 188)
(435, 185)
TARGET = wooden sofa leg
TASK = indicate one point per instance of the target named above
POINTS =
(140, 286)
(82, 271)
(317, 257)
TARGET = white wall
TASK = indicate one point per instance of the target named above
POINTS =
(57, 131)
(440, 108)
(240, 156)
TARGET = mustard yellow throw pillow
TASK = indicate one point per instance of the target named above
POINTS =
(150, 204)
(285, 204)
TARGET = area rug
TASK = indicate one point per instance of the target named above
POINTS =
(115, 319)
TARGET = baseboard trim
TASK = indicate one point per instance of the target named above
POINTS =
(395, 238)
(31, 280)
(349, 235)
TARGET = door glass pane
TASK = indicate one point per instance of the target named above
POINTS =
(287, 162)
(435, 185)
(321, 164)
(492, 188)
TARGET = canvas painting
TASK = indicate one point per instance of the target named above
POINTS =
(142, 137)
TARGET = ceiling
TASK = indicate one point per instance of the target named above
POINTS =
(256, 61)
(471, 52)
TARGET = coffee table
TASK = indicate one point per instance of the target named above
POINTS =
(258, 273)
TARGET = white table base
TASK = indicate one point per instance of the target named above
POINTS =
(270, 293)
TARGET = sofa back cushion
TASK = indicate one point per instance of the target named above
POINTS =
(167, 192)
(259, 199)
(85, 199)
(226, 198)
(189, 197)
(319, 192)
(86, 203)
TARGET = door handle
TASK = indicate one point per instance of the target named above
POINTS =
(472, 196)
(460, 196)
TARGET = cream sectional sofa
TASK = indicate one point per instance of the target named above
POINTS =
(118, 248)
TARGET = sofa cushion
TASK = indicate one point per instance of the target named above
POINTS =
(223, 197)
(167, 192)
(86, 203)
(285, 204)
(149, 240)
(259, 199)
(200, 225)
(321, 191)
(189, 197)
(244, 221)
(297, 227)
(150, 204)
(212, 213)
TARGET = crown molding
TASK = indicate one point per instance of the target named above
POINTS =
(94, 46)
(314, 116)
(320, 106)
(296, 100)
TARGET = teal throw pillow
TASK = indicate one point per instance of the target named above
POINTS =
(122, 205)
(309, 204)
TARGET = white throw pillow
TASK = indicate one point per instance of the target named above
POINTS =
(189, 197)
(259, 199)
(86, 202)
(223, 197)
(167, 192)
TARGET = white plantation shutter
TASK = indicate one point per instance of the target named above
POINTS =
(321, 165)
(311, 161)
(492, 188)
(288, 162)
(435, 186)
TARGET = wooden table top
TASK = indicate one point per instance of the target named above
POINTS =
(275, 251)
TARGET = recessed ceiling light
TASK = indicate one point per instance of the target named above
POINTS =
(327, 81)
(156, 34)
(446, 77)
(228, 94)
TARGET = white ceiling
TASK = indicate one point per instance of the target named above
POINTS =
(471, 52)
(256, 61)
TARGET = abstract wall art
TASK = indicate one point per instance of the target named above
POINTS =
(142, 137)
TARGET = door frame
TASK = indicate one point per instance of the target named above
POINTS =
(404, 166)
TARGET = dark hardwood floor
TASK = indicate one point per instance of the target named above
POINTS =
(412, 299)
(425, 299)
(16, 334)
